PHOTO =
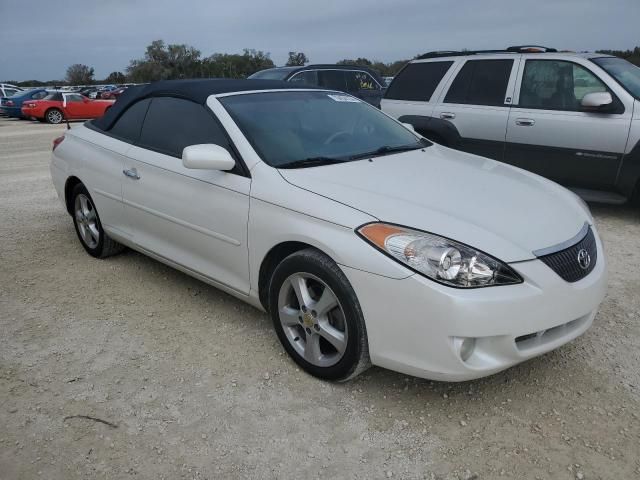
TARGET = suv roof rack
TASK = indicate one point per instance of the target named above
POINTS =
(514, 49)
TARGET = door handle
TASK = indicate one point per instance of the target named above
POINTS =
(447, 116)
(132, 173)
(525, 122)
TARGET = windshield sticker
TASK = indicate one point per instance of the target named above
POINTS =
(343, 98)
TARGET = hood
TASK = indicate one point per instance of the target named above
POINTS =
(499, 209)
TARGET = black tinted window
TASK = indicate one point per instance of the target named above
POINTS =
(128, 126)
(333, 79)
(417, 81)
(357, 80)
(308, 77)
(481, 82)
(172, 124)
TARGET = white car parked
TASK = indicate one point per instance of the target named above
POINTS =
(7, 90)
(365, 242)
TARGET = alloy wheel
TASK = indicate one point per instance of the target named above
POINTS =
(87, 220)
(312, 319)
(54, 116)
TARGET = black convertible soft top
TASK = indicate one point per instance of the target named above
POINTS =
(197, 90)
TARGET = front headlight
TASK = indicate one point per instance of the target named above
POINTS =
(438, 258)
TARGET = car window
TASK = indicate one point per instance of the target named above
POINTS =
(417, 81)
(557, 85)
(172, 124)
(54, 96)
(308, 77)
(360, 81)
(294, 126)
(271, 74)
(128, 126)
(481, 82)
(332, 79)
(74, 98)
(38, 95)
(10, 91)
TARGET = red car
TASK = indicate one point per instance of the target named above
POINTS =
(112, 94)
(57, 106)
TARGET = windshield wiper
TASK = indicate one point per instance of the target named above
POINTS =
(312, 162)
(386, 149)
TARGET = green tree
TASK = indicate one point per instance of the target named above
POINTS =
(632, 56)
(162, 62)
(79, 74)
(358, 61)
(232, 65)
(297, 59)
(384, 69)
(116, 77)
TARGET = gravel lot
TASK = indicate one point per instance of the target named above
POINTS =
(198, 386)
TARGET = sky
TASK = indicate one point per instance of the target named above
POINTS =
(40, 38)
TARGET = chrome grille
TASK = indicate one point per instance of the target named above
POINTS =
(565, 262)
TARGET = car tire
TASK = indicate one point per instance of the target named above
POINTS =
(88, 226)
(54, 116)
(326, 335)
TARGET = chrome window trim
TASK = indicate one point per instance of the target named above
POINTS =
(336, 70)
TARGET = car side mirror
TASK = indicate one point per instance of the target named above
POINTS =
(409, 126)
(596, 100)
(207, 156)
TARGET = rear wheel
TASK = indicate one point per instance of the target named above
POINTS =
(54, 116)
(88, 227)
(317, 316)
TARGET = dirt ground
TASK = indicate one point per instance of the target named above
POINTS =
(196, 384)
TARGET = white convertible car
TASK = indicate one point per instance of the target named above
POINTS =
(366, 243)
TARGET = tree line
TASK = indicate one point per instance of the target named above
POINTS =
(163, 61)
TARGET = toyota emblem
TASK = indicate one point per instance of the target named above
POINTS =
(584, 259)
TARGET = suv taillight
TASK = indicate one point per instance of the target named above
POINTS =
(9, 103)
(57, 142)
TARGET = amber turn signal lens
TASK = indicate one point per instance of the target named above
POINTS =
(377, 233)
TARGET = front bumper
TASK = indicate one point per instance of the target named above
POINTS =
(416, 326)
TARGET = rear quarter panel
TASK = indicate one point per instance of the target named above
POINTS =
(97, 161)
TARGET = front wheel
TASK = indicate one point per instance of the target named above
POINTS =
(317, 316)
(88, 227)
(54, 116)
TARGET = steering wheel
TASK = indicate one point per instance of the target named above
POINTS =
(333, 136)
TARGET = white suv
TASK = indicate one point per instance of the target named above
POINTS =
(6, 89)
(573, 118)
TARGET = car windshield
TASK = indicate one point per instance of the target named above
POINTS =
(291, 129)
(271, 74)
(626, 73)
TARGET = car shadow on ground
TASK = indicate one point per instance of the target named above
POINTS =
(627, 212)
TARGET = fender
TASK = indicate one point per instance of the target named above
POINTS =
(628, 179)
(444, 129)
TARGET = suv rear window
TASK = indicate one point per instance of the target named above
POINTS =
(481, 82)
(417, 81)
